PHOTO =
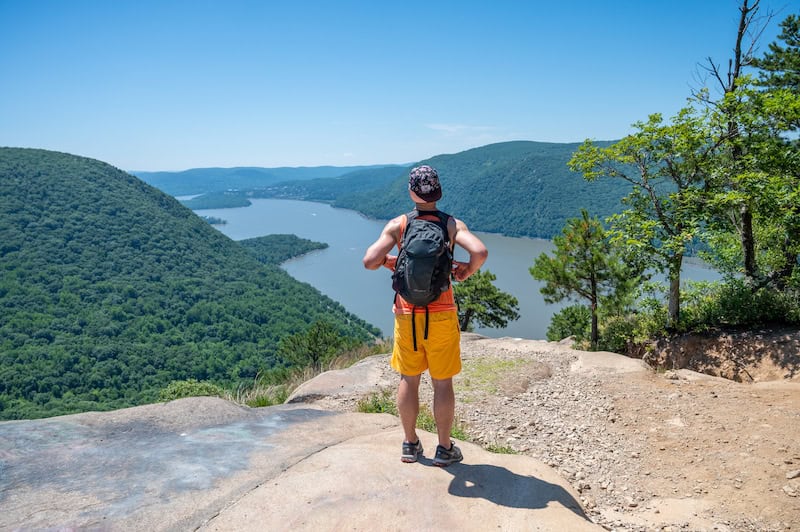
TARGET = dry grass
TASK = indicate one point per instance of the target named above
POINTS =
(260, 394)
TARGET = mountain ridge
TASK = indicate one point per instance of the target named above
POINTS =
(516, 188)
(217, 179)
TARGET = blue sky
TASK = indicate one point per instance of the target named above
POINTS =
(170, 85)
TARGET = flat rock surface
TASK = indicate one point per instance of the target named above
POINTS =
(646, 450)
(207, 463)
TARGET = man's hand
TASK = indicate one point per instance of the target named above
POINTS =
(472, 245)
(461, 270)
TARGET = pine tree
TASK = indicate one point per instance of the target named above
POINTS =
(584, 266)
(479, 301)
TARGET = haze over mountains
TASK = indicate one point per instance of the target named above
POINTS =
(202, 180)
(110, 289)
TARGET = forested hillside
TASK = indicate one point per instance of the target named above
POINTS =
(110, 289)
(275, 249)
(514, 188)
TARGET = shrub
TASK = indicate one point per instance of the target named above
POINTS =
(734, 303)
(617, 332)
(189, 388)
(378, 403)
(575, 321)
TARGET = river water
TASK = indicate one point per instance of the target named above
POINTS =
(338, 273)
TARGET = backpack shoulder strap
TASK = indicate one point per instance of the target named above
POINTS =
(405, 220)
(443, 219)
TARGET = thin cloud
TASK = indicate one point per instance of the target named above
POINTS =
(459, 129)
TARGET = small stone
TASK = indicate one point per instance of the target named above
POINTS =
(793, 474)
(790, 491)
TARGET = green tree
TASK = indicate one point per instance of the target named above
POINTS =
(584, 266)
(315, 347)
(479, 301)
(733, 154)
(780, 66)
(752, 193)
(666, 164)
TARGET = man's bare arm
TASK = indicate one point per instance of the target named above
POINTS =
(377, 254)
(474, 247)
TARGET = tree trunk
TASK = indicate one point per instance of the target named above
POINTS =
(748, 243)
(674, 292)
(593, 305)
(595, 334)
(464, 325)
(734, 72)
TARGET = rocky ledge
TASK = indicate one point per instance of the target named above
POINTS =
(646, 450)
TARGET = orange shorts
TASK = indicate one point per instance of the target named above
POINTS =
(440, 354)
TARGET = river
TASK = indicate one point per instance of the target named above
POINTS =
(338, 273)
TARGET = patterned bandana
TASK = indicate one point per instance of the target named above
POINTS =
(424, 182)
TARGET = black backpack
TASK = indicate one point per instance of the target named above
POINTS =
(425, 261)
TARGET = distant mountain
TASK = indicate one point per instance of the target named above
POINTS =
(514, 188)
(203, 180)
(110, 289)
(519, 188)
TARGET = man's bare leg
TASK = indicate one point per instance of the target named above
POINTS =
(444, 405)
(408, 405)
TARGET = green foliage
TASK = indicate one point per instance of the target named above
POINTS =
(110, 290)
(574, 320)
(383, 402)
(780, 66)
(665, 165)
(276, 249)
(378, 403)
(426, 422)
(213, 220)
(329, 189)
(585, 265)
(500, 449)
(735, 304)
(314, 347)
(726, 174)
(217, 200)
(753, 191)
(729, 304)
(617, 333)
(525, 189)
(479, 301)
(189, 388)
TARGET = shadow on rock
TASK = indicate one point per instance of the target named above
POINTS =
(505, 488)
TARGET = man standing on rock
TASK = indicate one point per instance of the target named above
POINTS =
(438, 350)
